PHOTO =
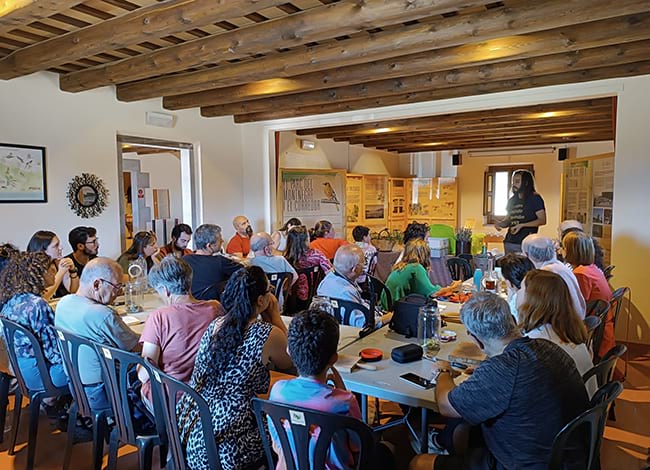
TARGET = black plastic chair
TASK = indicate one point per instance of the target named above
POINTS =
(608, 271)
(302, 421)
(313, 275)
(116, 366)
(279, 282)
(171, 390)
(604, 370)
(5, 384)
(378, 288)
(372, 264)
(69, 345)
(600, 309)
(459, 268)
(343, 310)
(49, 390)
(617, 301)
(591, 323)
(586, 428)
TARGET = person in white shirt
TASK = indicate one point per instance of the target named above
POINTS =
(546, 312)
(541, 251)
(361, 237)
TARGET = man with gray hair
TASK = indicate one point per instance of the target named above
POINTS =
(211, 269)
(262, 246)
(87, 313)
(341, 283)
(541, 251)
(519, 398)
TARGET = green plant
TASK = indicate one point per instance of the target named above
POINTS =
(464, 235)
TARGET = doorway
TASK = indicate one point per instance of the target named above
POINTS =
(157, 187)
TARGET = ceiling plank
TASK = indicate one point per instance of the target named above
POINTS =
(14, 14)
(152, 22)
(627, 70)
(447, 32)
(595, 34)
(327, 21)
(538, 66)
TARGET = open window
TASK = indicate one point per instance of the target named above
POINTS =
(496, 190)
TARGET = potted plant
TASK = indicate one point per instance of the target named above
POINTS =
(463, 241)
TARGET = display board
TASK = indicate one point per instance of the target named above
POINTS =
(432, 200)
(312, 195)
(366, 202)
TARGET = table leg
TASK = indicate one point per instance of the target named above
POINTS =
(364, 408)
(424, 432)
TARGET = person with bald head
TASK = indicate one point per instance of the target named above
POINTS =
(262, 247)
(88, 313)
(341, 283)
(240, 244)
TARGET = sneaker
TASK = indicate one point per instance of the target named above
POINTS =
(434, 447)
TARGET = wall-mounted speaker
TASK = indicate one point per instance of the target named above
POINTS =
(562, 153)
(456, 159)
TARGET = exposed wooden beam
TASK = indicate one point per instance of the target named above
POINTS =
(144, 24)
(545, 65)
(14, 14)
(430, 122)
(316, 24)
(627, 70)
(570, 38)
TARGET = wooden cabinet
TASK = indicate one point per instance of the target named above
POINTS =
(432, 200)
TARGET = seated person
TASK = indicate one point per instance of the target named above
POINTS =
(66, 279)
(514, 267)
(322, 239)
(545, 311)
(541, 251)
(280, 235)
(240, 244)
(181, 236)
(413, 231)
(262, 246)
(361, 237)
(211, 270)
(172, 333)
(145, 246)
(312, 342)
(85, 246)
(568, 226)
(410, 276)
(341, 283)
(520, 397)
(88, 313)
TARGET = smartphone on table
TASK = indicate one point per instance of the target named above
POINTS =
(417, 380)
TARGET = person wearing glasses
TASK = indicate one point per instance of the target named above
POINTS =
(85, 246)
(88, 313)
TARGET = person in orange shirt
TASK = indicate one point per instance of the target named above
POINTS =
(240, 244)
(322, 239)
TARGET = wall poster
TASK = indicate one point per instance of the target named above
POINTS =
(375, 207)
(312, 195)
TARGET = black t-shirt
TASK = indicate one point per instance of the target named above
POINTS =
(210, 274)
(61, 291)
(520, 211)
(522, 398)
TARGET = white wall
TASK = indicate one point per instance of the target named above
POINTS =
(79, 131)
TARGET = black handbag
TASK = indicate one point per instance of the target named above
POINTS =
(405, 314)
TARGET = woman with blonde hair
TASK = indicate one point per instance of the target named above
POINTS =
(410, 276)
(578, 250)
(546, 312)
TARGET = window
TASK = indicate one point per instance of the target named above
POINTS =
(496, 190)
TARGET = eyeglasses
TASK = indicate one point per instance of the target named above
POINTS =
(116, 287)
(92, 242)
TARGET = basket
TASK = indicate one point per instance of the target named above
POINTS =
(382, 240)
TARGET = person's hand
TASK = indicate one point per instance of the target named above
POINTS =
(65, 265)
(272, 312)
(440, 364)
(455, 285)
(386, 318)
(515, 229)
(335, 377)
(498, 227)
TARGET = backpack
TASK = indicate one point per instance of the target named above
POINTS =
(405, 314)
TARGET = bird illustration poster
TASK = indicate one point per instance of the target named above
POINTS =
(22, 173)
(313, 195)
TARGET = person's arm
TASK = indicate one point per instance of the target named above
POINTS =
(444, 386)
(276, 237)
(421, 282)
(272, 314)
(151, 352)
(62, 271)
(290, 269)
(275, 350)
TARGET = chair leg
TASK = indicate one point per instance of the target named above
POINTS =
(18, 404)
(34, 412)
(112, 449)
(5, 381)
(146, 456)
(72, 426)
(612, 412)
(99, 431)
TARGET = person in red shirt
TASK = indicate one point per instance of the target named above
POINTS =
(322, 239)
(181, 236)
(240, 244)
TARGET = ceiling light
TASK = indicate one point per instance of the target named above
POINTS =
(550, 114)
(380, 130)
(565, 134)
(307, 144)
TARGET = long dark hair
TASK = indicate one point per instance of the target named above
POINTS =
(293, 222)
(321, 228)
(40, 240)
(238, 299)
(140, 241)
(527, 182)
(24, 273)
(297, 247)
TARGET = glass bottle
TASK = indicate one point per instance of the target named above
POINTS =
(490, 280)
(429, 328)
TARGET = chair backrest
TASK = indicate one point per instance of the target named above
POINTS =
(171, 391)
(598, 308)
(117, 366)
(343, 310)
(378, 288)
(372, 263)
(608, 271)
(459, 268)
(314, 275)
(69, 345)
(586, 429)
(617, 301)
(604, 370)
(301, 422)
(591, 323)
(279, 281)
(13, 329)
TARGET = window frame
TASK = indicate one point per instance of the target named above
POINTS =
(489, 180)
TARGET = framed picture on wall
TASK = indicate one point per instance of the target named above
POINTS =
(22, 174)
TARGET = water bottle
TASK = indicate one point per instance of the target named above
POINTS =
(478, 279)
(429, 329)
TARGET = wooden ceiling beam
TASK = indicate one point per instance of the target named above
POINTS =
(14, 14)
(571, 38)
(626, 70)
(315, 24)
(144, 24)
(538, 66)
(591, 105)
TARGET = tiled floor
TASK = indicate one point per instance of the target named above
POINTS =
(625, 447)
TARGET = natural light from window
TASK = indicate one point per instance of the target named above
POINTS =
(501, 192)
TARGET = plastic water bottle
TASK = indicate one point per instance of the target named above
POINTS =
(429, 329)
(478, 279)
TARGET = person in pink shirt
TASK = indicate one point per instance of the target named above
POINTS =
(579, 253)
(172, 333)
